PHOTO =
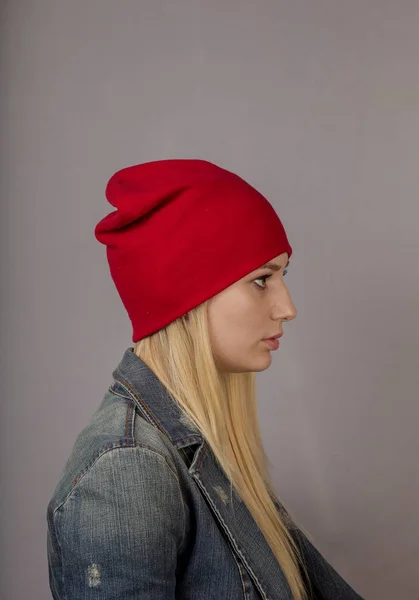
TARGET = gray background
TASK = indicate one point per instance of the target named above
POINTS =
(316, 103)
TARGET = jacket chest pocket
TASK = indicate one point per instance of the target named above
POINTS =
(249, 590)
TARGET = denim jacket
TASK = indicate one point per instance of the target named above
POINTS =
(143, 511)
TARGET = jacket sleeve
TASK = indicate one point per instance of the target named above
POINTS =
(117, 534)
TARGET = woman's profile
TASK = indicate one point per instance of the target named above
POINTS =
(166, 493)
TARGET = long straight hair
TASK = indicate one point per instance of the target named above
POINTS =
(223, 406)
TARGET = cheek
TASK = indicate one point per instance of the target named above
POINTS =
(234, 318)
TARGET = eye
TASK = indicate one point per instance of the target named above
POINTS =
(264, 278)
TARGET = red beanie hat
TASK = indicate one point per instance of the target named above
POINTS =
(183, 231)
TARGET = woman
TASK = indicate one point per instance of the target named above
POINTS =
(167, 493)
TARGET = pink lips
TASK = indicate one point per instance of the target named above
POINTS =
(272, 343)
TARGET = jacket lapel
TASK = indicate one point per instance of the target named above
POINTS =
(244, 535)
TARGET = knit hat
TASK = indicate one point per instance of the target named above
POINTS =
(183, 231)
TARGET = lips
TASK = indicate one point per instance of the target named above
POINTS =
(275, 337)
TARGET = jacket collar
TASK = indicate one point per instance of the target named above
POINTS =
(154, 400)
(246, 539)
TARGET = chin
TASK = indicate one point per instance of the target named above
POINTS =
(263, 365)
(260, 364)
(254, 362)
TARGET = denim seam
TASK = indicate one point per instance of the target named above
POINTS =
(129, 422)
(113, 390)
(195, 437)
(245, 594)
(223, 524)
(102, 452)
(57, 537)
(239, 552)
(150, 414)
(62, 505)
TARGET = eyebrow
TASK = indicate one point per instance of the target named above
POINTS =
(273, 266)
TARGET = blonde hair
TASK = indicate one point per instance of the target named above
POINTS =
(224, 408)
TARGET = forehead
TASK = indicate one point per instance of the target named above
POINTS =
(276, 263)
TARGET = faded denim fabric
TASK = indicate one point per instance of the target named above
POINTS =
(143, 511)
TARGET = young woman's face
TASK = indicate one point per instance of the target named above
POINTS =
(242, 315)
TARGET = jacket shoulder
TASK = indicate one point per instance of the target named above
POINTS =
(124, 512)
(116, 424)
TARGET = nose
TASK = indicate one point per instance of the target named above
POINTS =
(285, 308)
(289, 314)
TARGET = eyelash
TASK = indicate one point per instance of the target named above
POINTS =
(265, 277)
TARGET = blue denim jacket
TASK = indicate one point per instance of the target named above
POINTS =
(143, 511)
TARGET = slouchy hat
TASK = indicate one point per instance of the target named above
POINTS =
(183, 231)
